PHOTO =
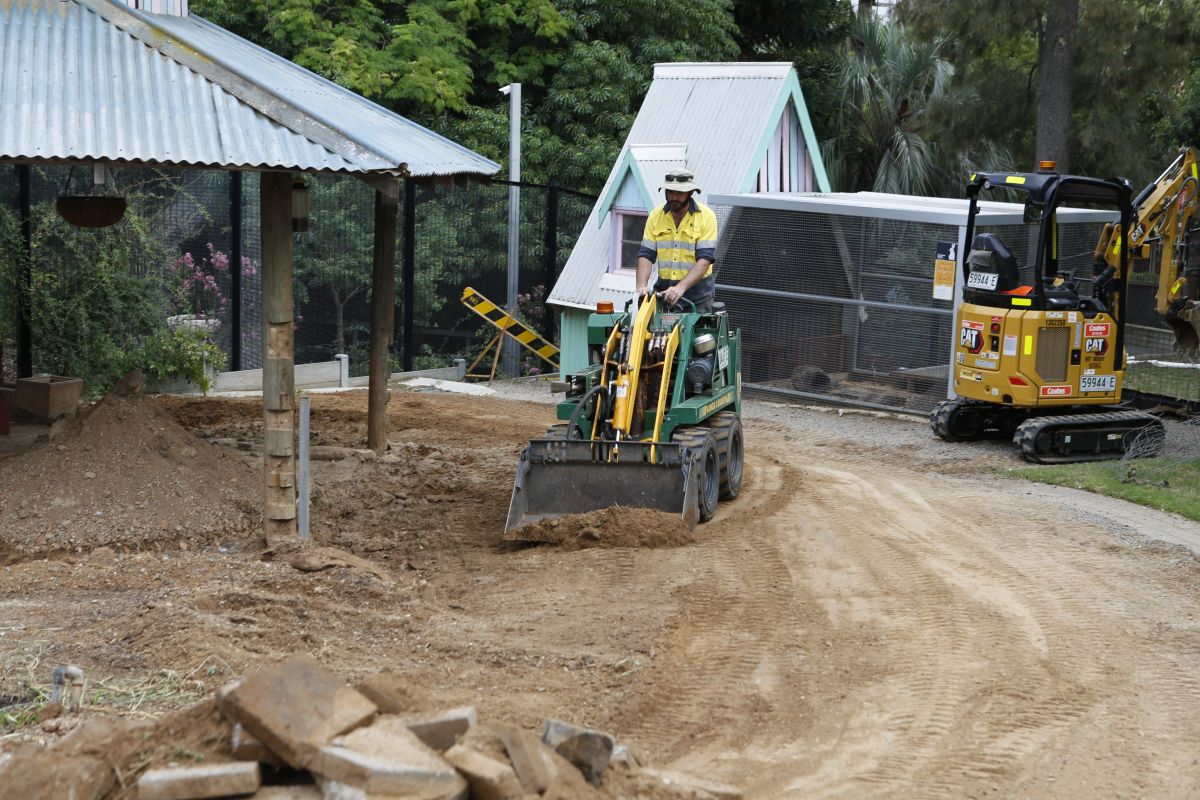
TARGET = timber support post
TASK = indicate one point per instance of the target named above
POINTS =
(383, 313)
(279, 395)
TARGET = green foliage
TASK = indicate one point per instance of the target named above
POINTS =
(1168, 484)
(88, 307)
(1129, 89)
(889, 85)
(185, 352)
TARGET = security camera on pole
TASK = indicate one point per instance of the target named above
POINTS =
(513, 90)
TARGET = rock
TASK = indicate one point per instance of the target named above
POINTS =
(205, 780)
(387, 758)
(102, 556)
(320, 558)
(442, 731)
(625, 757)
(295, 708)
(689, 784)
(587, 749)
(489, 778)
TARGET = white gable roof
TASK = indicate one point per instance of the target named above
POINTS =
(720, 117)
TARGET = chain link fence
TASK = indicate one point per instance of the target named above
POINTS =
(189, 235)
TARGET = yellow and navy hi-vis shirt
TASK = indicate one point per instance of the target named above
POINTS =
(676, 249)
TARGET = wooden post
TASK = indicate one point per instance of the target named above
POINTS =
(383, 311)
(279, 395)
(409, 278)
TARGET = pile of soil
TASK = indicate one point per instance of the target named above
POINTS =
(124, 474)
(610, 527)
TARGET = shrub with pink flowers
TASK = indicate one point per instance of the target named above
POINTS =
(198, 283)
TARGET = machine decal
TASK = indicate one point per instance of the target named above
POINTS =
(1054, 315)
(723, 358)
(1072, 316)
(1098, 383)
(971, 337)
(1055, 391)
(1097, 346)
(1010, 345)
(1093, 329)
(1022, 301)
(983, 363)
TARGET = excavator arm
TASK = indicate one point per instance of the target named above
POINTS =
(1164, 211)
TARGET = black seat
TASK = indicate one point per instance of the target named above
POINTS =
(990, 254)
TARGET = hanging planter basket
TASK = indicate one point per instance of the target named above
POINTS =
(90, 211)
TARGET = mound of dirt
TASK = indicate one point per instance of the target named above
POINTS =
(123, 474)
(610, 527)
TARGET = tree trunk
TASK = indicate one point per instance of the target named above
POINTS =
(339, 317)
(1056, 68)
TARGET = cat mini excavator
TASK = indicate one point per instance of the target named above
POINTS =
(1039, 354)
(654, 422)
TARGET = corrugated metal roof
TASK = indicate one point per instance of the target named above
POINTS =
(936, 210)
(96, 80)
(724, 113)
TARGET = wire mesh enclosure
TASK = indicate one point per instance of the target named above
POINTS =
(836, 295)
(190, 244)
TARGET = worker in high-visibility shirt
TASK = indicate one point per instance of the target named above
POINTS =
(681, 237)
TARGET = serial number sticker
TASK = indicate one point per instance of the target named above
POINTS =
(983, 363)
(1098, 383)
(983, 280)
(1010, 345)
(723, 358)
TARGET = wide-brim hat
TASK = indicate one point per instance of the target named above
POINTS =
(680, 180)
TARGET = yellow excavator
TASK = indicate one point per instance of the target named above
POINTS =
(1039, 353)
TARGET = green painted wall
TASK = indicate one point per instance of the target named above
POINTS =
(573, 348)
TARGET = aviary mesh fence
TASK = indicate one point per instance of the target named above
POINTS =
(839, 308)
(176, 245)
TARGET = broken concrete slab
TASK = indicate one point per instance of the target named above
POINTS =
(690, 784)
(387, 758)
(589, 750)
(532, 761)
(248, 747)
(442, 731)
(41, 772)
(389, 691)
(489, 779)
(201, 781)
(306, 791)
(295, 708)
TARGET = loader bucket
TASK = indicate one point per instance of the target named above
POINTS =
(557, 477)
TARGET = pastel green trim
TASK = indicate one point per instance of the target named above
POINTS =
(793, 94)
(627, 166)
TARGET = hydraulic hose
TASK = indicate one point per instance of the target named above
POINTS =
(572, 426)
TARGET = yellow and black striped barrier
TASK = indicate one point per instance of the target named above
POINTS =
(507, 324)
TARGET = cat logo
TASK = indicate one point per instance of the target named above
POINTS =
(971, 339)
(1097, 346)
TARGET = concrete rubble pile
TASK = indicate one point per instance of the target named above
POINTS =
(299, 732)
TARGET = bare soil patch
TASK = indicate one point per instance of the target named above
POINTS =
(610, 527)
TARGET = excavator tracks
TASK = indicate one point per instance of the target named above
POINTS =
(965, 420)
(1072, 438)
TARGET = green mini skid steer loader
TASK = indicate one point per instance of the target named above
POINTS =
(654, 422)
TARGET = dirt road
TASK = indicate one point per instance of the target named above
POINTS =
(877, 616)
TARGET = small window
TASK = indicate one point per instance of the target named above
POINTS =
(628, 227)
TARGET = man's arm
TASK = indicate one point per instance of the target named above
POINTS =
(671, 296)
(647, 255)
